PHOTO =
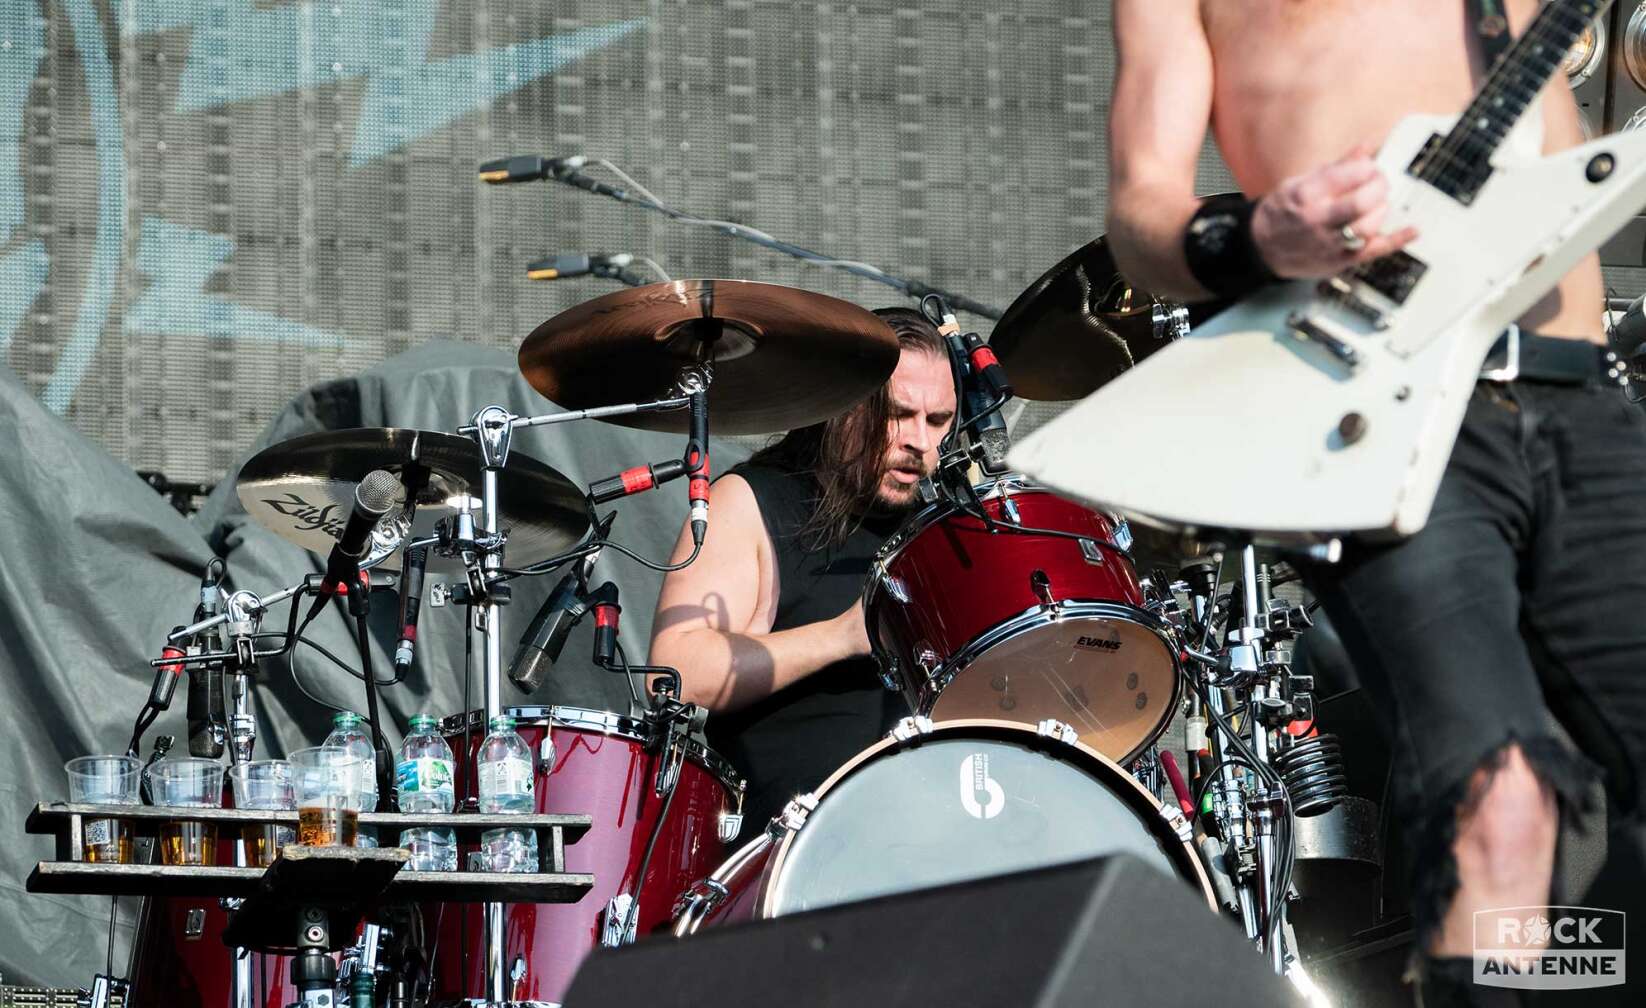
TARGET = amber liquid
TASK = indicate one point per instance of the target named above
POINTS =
(263, 843)
(107, 841)
(327, 827)
(188, 843)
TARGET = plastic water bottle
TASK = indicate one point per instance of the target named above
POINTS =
(506, 785)
(423, 779)
(349, 732)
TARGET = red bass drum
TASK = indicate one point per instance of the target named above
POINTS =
(685, 805)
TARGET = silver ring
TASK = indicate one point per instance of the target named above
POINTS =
(1352, 242)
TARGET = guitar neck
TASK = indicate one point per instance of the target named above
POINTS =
(1458, 164)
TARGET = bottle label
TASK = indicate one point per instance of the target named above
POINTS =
(99, 831)
(505, 777)
(423, 774)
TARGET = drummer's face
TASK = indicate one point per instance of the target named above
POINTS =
(922, 407)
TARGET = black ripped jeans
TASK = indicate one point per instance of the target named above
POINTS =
(1524, 595)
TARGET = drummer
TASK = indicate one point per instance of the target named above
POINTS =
(766, 627)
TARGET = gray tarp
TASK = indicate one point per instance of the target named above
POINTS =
(97, 568)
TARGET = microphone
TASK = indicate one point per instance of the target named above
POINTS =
(411, 600)
(166, 676)
(205, 709)
(378, 492)
(528, 168)
(544, 639)
(636, 480)
(606, 611)
(697, 463)
(986, 386)
(575, 264)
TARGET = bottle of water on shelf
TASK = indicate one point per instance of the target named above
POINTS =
(423, 779)
(505, 775)
(349, 732)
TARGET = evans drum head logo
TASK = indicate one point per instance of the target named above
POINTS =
(1096, 644)
(975, 783)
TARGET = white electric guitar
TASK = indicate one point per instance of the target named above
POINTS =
(1313, 409)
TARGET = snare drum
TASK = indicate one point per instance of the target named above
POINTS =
(973, 621)
(938, 804)
(604, 765)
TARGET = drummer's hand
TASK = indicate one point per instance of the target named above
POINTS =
(853, 631)
(1298, 227)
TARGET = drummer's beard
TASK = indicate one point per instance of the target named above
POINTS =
(893, 494)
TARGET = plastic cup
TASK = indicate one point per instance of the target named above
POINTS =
(264, 785)
(328, 783)
(187, 782)
(105, 780)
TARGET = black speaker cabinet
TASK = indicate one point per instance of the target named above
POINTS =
(1111, 931)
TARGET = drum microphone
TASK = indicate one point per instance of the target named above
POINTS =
(545, 638)
(612, 266)
(411, 601)
(379, 491)
(529, 168)
(697, 464)
(205, 710)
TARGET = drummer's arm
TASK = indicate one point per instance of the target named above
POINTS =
(1157, 123)
(714, 618)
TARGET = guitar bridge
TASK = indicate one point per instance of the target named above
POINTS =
(1343, 294)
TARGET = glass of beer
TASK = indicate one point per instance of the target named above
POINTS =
(187, 782)
(330, 794)
(264, 785)
(105, 780)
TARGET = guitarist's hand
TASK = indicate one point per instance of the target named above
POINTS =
(1298, 227)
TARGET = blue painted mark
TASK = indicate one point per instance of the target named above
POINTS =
(267, 50)
(76, 357)
(178, 262)
(22, 274)
(22, 45)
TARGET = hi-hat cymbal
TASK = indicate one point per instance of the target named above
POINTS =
(782, 357)
(1081, 324)
(303, 491)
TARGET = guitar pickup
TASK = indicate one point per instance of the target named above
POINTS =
(1343, 294)
(1313, 331)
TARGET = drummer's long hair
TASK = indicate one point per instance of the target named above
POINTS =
(846, 455)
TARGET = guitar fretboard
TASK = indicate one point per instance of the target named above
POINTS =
(1458, 164)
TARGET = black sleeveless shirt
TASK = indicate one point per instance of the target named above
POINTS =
(787, 743)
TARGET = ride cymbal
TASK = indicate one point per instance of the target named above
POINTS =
(303, 489)
(782, 357)
(1081, 324)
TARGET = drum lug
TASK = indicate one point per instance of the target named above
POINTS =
(1009, 507)
(911, 728)
(619, 927)
(895, 587)
(794, 814)
(731, 824)
(1177, 821)
(545, 753)
(1092, 552)
(1122, 534)
(891, 676)
(1059, 731)
(704, 896)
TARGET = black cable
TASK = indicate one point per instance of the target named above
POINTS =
(380, 749)
(660, 568)
(545, 566)
(657, 828)
(623, 660)
(114, 908)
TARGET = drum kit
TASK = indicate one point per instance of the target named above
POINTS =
(1041, 667)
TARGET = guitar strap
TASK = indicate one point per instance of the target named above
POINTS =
(1491, 27)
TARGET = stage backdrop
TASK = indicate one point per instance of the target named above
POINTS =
(208, 205)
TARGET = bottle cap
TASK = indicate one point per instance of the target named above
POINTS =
(423, 722)
(345, 719)
(501, 722)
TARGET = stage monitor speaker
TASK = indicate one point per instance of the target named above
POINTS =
(1111, 931)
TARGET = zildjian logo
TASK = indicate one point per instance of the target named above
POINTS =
(309, 516)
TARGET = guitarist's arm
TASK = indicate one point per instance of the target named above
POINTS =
(1157, 123)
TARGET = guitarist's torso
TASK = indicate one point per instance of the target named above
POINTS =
(1300, 82)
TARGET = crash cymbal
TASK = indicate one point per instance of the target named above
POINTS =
(303, 490)
(1081, 324)
(782, 357)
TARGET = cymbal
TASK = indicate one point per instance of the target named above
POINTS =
(782, 357)
(1081, 324)
(303, 490)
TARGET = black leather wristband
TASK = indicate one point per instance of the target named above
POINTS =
(1219, 248)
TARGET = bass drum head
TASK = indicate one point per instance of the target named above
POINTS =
(969, 800)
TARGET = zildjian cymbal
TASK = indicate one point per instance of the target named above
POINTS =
(1081, 325)
(303, 490)
(780, 357)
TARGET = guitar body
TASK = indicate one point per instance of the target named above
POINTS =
(1258, 423)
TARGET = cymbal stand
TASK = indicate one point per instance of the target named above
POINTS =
(480, 542)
